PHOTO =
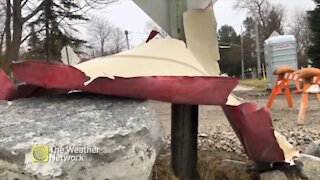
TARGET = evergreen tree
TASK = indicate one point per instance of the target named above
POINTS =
(228, 35)
(314, 23)
(230, 62)
(55, 23)
(35, 44)
(249, 44)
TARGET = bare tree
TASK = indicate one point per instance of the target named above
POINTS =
(271, 19)
(16, 21)
(249, 5)
(105, 38)
(87, 5)
(300, 29)
(118, 41)
(14, 27)
(100, 32)
(269, 16)
(2, 28)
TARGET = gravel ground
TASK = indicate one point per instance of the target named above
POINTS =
(216, 133)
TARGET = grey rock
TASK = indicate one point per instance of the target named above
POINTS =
(310, 167)
(313, 148)
(203, 135)
(125, 132)
(274, 175)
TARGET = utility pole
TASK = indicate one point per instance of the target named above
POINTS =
(256, 28)
(242, 60)
(258, 50)
(127, 38)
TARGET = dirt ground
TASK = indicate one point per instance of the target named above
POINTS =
(217, 142)
(212, 118)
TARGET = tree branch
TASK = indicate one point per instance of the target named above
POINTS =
(24, 3)
(33, 13)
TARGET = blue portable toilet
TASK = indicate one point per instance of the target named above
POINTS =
(279, 50)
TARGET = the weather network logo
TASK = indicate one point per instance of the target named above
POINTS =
(54, 153)
(40, 153)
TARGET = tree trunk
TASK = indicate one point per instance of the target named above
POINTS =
(1, 45)
(48, 12)
(102, 47)
(5, 63)
(12, 42)
(17, 31)
(13, 37)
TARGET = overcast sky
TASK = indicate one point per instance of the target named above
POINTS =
(128, 16)
(225, 13)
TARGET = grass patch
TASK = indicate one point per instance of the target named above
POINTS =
(210, 167)
(259, 84)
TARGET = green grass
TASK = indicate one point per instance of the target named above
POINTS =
(259, 84)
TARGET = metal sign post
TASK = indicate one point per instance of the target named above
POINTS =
(184, 118)
(242, 59)
(184, 143)
(127, 38)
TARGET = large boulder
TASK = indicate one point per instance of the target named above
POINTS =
(311, 166)
(313, 149)
(86, 137)
(307, 167)
(274, 175)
